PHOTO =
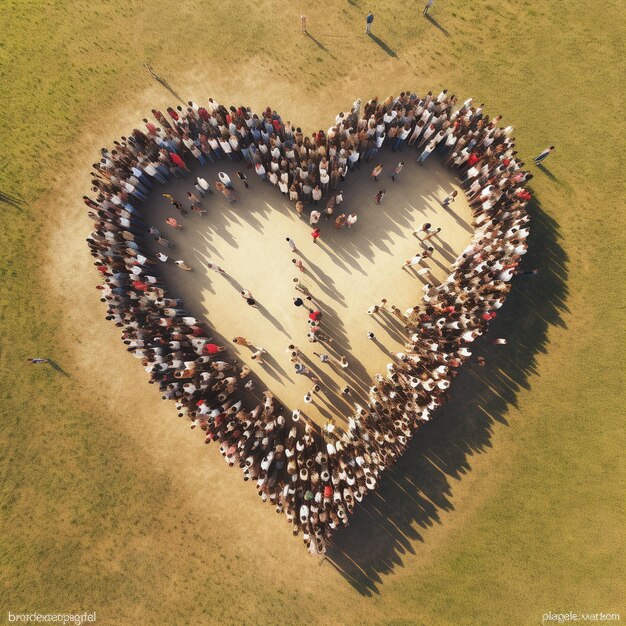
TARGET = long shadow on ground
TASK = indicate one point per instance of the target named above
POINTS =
(413, 494)
(418, 488)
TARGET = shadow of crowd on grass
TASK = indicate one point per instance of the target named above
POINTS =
(414, 493)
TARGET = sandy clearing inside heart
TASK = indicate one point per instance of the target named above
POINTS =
(347, 273)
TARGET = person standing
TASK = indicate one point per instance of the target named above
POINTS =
(449, 198)
(302, 288)
(292, 244)
(314, 218)
(315, 233)
(243, 178)
(299, 264)
(424, 228)
(376, 171)
(351, 220)
(543, 155)
(260, 170)
(430, 235)
(183, 265)
(162, 241)
(215, 268)
(324, 358)
(330, 207)
(429, 4)
(203, 184)
(303, 24)
(171, 221)
(379, 196)
(368, 22)
(413, 261)
(340, 220)
(396, 170)
(257, 356)
(428, 150)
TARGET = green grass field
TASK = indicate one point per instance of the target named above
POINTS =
(508, 507)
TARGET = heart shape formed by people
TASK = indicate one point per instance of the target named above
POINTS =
(315, 476)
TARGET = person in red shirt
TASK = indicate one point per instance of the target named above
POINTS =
(473, 159)
(178, 162)
(137, 284)
(212, 348)
(315, 315)
(152, 129)
(315, 233)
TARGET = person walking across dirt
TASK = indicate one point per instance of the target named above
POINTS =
(430, 235)
(171, 221)
(257, 355)
(428, 6)
(351, 220)
(241, 341)
(299, 264)
(368, 22)
(215, 268)
(324, 358)
(243, 178)
(396, 170)
(449, 199)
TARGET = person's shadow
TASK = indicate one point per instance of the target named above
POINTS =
(414, 493)
(437, 25)
(12, 200)
(320, 45)
(544, 170)
(383, 45)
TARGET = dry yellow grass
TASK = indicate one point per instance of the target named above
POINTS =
(508, 506)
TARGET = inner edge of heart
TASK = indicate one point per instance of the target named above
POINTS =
(354, 458)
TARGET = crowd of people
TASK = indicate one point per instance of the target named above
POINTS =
(314, 476)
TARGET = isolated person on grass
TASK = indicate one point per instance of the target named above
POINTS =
(543, 155)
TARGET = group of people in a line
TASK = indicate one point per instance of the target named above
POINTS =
(314, 476)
